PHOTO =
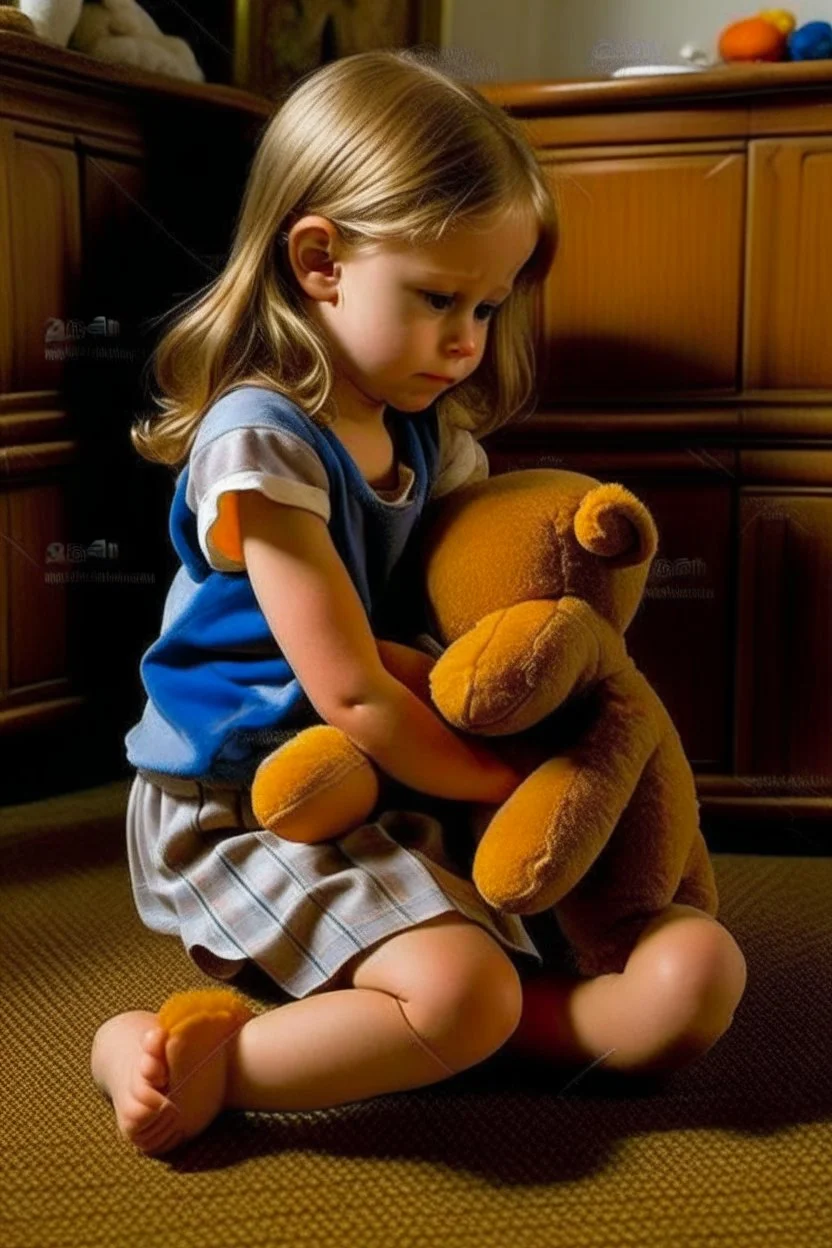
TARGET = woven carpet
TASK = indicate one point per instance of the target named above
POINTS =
(734, 1150)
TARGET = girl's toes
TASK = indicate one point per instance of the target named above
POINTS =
(157, 1133)
(153, 1064)
(153, 1041)
(154, 1071)
(158, 1148)
(148, 1102)
(137, 1118)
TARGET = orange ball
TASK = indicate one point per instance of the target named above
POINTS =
(753, 39)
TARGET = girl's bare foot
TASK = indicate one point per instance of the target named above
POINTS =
(166, 1073)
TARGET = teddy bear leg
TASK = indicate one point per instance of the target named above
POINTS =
(315, 787)
(697, 886)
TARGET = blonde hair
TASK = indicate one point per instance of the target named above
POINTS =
(388, 148)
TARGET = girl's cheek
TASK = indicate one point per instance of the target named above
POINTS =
(406, 337)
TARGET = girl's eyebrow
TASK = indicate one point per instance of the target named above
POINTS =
(461, 277)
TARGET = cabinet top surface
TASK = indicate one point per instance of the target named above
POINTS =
(36, 59)
(24, 55)
(756, 79)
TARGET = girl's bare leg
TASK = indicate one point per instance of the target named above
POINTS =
(424, 1004)
(671, 1003)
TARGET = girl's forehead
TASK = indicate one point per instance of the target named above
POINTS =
(509, 242)
(515, 234)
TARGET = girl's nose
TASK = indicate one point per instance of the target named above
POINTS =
(463, 343)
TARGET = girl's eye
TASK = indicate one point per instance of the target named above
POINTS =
(490, 308)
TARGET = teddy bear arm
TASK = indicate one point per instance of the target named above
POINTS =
(545, 838)
(618, 744)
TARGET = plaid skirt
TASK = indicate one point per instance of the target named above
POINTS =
(239, 897)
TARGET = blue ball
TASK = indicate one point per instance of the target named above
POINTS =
(812, 42)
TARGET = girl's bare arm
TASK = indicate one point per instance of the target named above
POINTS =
(320, 624)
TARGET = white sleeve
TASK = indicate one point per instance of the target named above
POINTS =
(461, 460)
(274, 461)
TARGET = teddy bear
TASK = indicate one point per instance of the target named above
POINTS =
(531, 579)
(119, 31)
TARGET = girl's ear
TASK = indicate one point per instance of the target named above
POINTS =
(311, 245)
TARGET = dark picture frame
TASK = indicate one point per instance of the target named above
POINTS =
(277, 42)
(265, 46)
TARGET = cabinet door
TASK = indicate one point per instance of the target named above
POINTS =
(644, 294)
(44, 241)
(784, 661)
(789, 291)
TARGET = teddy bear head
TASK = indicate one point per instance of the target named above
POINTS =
(541, 533)
(531, 580)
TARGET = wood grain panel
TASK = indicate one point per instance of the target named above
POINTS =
(665, 126)
(644, 293)
(784, 638)
(788, 327)
(804, 467)
(5, 593)
(6, 302)
(46, 260)
(739, 81)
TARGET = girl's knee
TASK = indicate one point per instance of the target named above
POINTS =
(702, 982)
(472, 1009)
(680, 987)
(459, 989)
(710, 973)
(694, 958)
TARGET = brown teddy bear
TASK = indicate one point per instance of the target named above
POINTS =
(604, 829)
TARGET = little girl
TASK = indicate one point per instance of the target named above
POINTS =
(376, 307)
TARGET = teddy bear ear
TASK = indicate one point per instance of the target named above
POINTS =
(613, 523)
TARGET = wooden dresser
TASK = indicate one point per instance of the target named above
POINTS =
(118, 194)
(685, 350)
(684, 347)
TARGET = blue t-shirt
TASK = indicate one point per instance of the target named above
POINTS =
(220, 694)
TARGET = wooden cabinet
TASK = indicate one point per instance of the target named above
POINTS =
(685, 350)
(43, 237)
(784, 666)
(118, 192)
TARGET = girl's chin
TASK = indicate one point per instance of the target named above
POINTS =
(420, 395)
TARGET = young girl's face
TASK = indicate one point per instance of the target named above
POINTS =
(398, 313)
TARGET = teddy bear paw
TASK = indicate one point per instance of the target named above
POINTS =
(315, 787)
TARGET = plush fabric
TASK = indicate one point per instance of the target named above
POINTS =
(122, 32)
(118, 31)
(531, 579)
(53, 20)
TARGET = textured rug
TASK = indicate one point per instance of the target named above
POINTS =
(735, 1150)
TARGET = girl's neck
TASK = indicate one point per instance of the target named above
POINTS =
(357, 410)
